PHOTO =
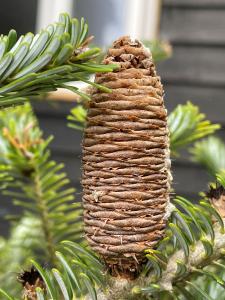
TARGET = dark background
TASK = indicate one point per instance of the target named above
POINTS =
(195, 72)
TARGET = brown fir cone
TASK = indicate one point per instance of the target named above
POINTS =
(30, 281)
(217, 198)
(126, 164)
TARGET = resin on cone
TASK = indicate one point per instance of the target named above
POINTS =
(126, 165)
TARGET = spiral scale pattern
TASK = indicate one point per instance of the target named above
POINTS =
(126, 165)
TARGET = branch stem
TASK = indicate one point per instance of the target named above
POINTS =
(46, 225)
(196, 259)
(122, 289)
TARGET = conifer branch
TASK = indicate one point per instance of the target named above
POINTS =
(44, 216)
(35, 64)
(196, 259)
(210, 153)
(120, 288)
(187, 124)
(34, 181)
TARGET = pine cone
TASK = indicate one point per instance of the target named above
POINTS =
(31, 280)
(217, 198)
(126, 165)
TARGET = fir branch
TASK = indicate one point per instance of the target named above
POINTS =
(34, 181)
(36, 64)
(79, 272)
(44, 215)
(196, 259)
(77, 117)
(186, 125)
(210, 153)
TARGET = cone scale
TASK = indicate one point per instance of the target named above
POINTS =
(126, 165)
